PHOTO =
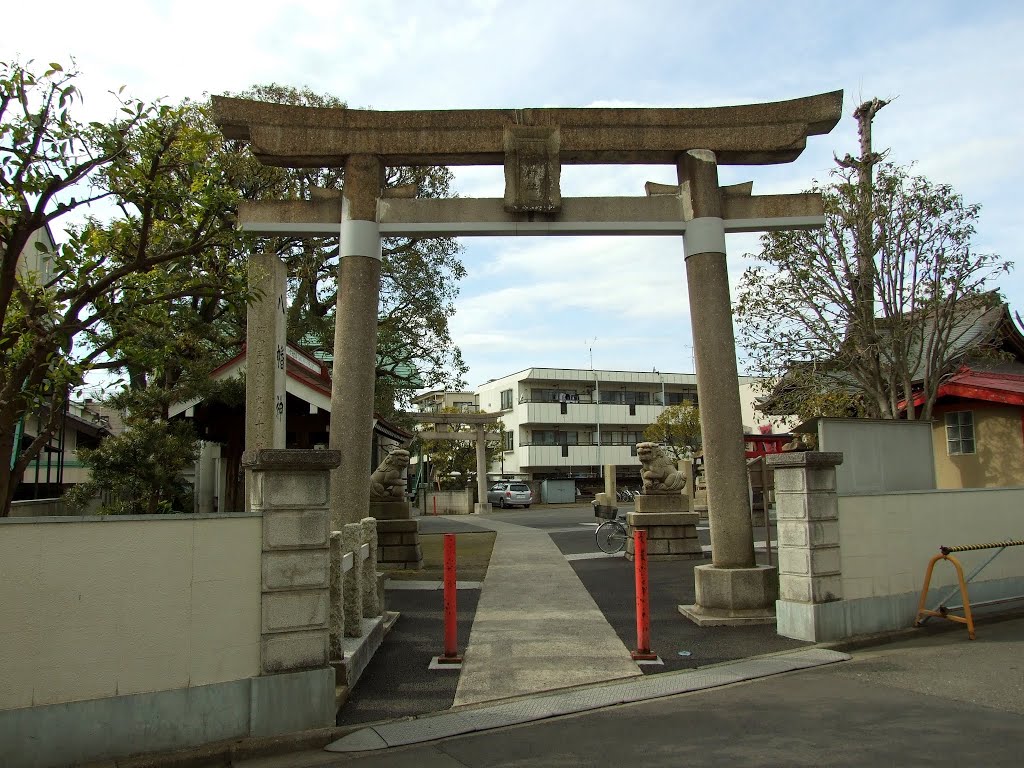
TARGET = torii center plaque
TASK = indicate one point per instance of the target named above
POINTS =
(532, 145)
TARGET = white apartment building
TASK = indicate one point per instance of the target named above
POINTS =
(444, 400)
(564, 422)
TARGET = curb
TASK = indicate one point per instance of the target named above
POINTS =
(934, 628)
(225, 753)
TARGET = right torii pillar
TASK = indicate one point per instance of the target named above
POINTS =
(734, 589)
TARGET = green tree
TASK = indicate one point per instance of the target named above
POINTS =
(102, 298)
(140, 471)
(419, 279)
(855, 317)
(156, 288)
(678, 429)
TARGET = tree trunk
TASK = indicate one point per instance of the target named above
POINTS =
(864, 330)
(7, 479)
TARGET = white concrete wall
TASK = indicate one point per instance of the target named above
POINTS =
(100, 607)
(879, 455)
(448, 502)
(887, 540)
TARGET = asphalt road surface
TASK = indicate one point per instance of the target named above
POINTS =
(398, 683)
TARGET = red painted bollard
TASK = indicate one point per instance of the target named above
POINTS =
(451, 646)
(643, 603)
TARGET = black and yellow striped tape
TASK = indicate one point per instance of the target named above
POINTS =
(969, 547)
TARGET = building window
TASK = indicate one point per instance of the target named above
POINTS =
(547, 395)
(959, 432)
(678, 398)
(625, 397)
(615, 437)
(506, 400)
(506, 441)
(554, 437)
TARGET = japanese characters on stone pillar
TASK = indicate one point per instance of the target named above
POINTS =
(266, 354)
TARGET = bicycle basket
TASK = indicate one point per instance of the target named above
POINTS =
(606, 512)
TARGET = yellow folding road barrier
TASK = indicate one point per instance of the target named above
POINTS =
(942, 611)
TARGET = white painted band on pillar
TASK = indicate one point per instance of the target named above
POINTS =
(704, 235)
(360, 238)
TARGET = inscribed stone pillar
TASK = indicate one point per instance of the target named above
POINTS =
(355, 339)
(265, 344)
(207, 480)
(733, 589)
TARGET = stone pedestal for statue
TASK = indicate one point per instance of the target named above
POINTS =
(671, 528)
(398, 536)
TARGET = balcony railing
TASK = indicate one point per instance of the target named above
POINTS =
(460, 408)
(589, 400)
(580, 444)
(574, 399)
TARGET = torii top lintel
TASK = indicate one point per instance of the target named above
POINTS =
(315, 137)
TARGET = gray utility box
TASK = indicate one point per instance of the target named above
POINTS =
(558, 491)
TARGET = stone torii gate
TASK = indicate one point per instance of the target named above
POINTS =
(480, 436)
(533, 144)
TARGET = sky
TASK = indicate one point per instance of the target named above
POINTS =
(953, 70)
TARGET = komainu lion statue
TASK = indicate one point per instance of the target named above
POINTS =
(657, 470)
(388, 482)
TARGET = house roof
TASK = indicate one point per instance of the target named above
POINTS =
(307, 379)
(979, 325)
(407, 375)
(987, 386)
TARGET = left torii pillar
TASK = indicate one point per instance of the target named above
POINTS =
(355, 339)
(482, 505)
(266, 341)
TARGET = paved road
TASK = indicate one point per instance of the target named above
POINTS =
(936, 699)
(397, 682)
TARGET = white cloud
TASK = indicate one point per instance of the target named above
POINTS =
(957, 114)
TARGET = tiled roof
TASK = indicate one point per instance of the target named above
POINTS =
(987, 386)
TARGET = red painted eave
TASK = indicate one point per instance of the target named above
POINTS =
(1005, 388)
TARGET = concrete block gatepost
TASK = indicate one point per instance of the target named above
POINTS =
(290, 488)
(810, 575)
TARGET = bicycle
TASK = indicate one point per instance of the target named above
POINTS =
(611, 535)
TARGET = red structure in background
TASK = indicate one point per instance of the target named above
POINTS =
(759, 445)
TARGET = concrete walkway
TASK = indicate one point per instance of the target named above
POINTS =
(536, 628)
